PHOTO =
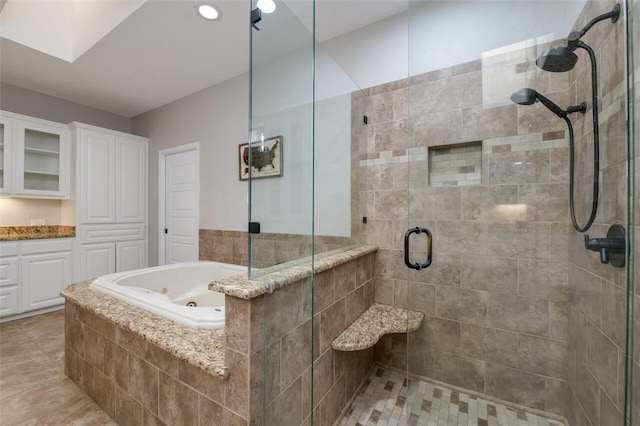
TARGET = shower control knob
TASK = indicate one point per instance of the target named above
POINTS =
(612, 248)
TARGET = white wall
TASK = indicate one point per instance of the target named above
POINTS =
(35, 104)
(440, 34)
(20, 211)
(217, 118)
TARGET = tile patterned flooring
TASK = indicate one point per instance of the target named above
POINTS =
(33, 387)
(386, 402)
(35, 391)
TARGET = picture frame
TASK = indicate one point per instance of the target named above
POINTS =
(266, 158)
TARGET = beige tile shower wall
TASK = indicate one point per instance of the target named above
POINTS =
(497, 293)
(275, 334)
(597, 292)
(268, 249)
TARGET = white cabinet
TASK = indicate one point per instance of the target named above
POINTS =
(107, 258)
(131, 255)
(113, 176)
(6, 156)
(112, 201)
(46, 269)
(35, 157)
(33, 273)
(9, 279)
(97, 260)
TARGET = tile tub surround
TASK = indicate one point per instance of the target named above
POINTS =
(137, 365)
(275, 333)
(268, 249)
(15, 233)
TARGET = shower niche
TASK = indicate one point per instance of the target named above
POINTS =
(456, 165)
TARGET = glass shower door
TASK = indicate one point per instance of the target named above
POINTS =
(520, 317)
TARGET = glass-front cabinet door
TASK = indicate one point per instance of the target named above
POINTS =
(42, 159)
(6, 165)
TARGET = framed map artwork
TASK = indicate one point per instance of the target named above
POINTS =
(266, 158)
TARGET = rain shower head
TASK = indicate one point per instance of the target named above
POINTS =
(557, 59)
(562, 59)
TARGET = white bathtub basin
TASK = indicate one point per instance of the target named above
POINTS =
(168, 290)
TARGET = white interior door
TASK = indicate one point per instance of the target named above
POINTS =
(181, 206)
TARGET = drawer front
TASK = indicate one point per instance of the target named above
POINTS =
(112, 233)
(9, 300)
(47, 246)
(8, 249)
(8, 271)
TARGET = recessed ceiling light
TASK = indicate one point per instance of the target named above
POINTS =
(207, 11)
(266, 6)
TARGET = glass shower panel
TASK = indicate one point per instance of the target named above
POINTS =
(281, 174)
(632, 358)
(279, 163)
(519, 315)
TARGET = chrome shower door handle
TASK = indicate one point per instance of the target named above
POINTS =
(407, 236)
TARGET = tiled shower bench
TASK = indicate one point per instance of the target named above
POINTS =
(375, 322)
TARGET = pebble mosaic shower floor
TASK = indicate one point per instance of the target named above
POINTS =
(386, 402)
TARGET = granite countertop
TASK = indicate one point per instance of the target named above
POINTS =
(375, 322)
(16, 233)
(200, 347)
(272, 278)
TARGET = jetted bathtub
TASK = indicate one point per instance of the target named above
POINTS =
(178, 291)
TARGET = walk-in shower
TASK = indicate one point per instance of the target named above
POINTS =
(519, 319)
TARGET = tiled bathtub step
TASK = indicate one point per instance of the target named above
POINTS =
(375, 322)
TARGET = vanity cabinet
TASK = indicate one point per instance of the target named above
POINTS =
(32, 274)
(47, 268)
(9, 279)
(35, 157)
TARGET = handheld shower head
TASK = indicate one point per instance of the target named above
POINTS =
(529, 96)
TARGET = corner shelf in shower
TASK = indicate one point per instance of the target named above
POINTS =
(374, 323)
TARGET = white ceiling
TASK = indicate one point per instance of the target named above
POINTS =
(164, 51)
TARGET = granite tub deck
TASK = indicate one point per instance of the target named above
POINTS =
(375, 322)
(275, 277)
(198, 347)
(18, 233)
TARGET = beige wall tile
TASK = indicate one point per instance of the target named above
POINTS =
(459, 371)
(543, 356)
(545, 279)
(286, 409)
(493, 274)
(296, 353)
(178, 404)
(463, 305)
(491, 203)
(128, 411)
(516, 313)
(143, 383)
(516, 386)
(489, 344)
